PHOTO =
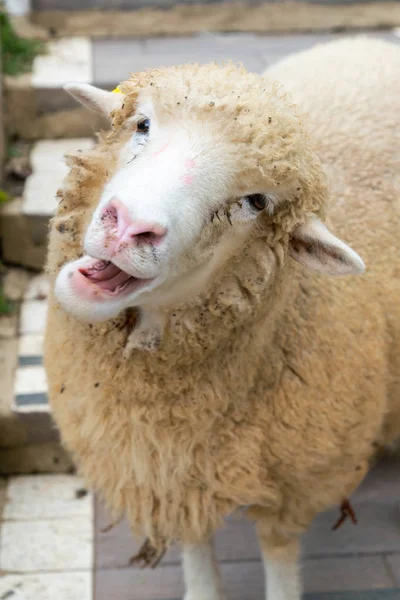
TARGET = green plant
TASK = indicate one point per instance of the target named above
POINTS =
(17, 53)
(4, 197)
(5, 306)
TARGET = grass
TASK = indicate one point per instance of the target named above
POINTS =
(17, 53)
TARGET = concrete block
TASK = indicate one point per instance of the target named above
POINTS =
(19, 247)
(15, 284)
(47, 497)
(49, 169)
(8, 364)
(46, 113)
(48, 586)
(35, 458)
(68, 59)
(48, 545)
(259, 17)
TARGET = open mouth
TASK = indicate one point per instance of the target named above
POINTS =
(106, 279)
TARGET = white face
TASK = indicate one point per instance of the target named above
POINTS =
(153, 232)
(170, 216)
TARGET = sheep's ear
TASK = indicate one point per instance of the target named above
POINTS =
(94, 98)
(314, 246)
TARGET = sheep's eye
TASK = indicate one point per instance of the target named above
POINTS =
(143, 126)
(257, 201)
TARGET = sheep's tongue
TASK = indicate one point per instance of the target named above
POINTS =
(106, 275)
(117, 281)
(101, 270)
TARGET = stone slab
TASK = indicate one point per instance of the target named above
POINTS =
(39, 107)
(46, 545)
(15, 284)
(38, 288)
(18, 7)
(33, 317)
(48, 171)
(38, 457)
(133, 5)
(47, 497)
(114, 59)
(245, 580)
(30, 345)
(352, 572)
(68, 59)
(14, 226)
(47, 586)
(393, 562)
(8, 362)
(267, 17)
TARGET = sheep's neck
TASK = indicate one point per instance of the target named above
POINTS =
(233, 311)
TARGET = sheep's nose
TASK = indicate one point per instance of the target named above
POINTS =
(125, 229)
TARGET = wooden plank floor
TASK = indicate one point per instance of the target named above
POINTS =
(356, 559)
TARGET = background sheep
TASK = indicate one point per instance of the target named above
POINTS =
(238, 377)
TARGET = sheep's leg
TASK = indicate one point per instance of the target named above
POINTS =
(201, 574)
(280, 556)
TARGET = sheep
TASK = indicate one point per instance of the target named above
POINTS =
(198, 359)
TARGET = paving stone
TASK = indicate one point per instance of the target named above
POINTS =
(30, 380)
(114, 547)
(30, 390)
(18, 7)
(275, 48)
(48, 155)
(376, 507)
(30, 345)
(346, 573)
(3, 486)
(38, 288)
(33, 316)
(47, 497)
(246, 580)
(8, 326)
(40, 456)
(15, 226)
(40, 193)
(68, 59)
(49, 170)
(393, 562)
(47, 586)
(114, 60)
(50, 545)
(15, 284)
(197, 44)
(8, 356)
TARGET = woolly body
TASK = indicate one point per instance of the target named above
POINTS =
(273, 387)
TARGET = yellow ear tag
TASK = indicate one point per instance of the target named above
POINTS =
(117, 90)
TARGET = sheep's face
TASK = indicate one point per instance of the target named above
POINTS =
(198, 167)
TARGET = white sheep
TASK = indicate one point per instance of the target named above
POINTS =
(194, 365)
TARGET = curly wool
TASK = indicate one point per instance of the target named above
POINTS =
(276, 381)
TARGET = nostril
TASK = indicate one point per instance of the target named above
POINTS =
(153, 235)
(117, 215)
(110, 215)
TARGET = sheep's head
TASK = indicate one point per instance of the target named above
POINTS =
(201, 160)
